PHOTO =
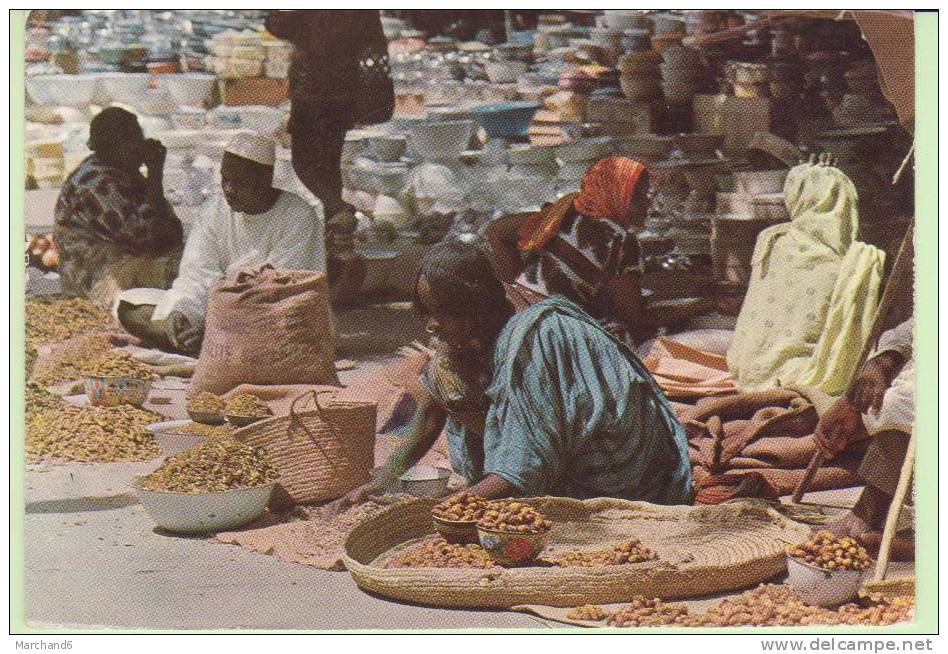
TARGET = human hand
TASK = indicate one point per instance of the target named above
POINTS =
(872, 381)
(154, 155)
(182, 335)
(837, 427)
(824, 159)
(356, 496)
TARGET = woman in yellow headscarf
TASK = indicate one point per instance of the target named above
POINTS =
(813, 291)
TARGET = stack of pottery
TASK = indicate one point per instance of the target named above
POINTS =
(705, 21)
(624, 20)
(669, 31)
(645, 148)
(786, 79)
(863, 103)
(575, 158)
(683, 74)
(749, 80)
(640, 76)
(532, 161)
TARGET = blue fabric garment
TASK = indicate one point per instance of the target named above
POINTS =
(574, 413)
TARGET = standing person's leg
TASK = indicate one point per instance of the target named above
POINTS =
(317, 141)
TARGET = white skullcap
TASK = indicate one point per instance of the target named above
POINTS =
(253, 146)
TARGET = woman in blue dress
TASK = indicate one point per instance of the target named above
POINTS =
(543, 401)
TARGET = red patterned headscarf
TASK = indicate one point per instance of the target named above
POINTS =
(607, 190)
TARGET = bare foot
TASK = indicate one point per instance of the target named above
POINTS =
(848, 524)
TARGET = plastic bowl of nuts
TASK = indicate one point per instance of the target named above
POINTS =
(513, 533)
(197, 513)
(456, 518)
(219, 484)
(113, 391)
(827, 570)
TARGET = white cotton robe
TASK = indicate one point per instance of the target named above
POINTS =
(289, 236)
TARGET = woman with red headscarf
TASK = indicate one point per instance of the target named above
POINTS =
(583, 246)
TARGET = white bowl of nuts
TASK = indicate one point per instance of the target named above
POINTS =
(196, 513)
(512, 532)
(219, 484)
(827, 570)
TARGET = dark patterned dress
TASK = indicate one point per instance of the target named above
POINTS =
(103, 219)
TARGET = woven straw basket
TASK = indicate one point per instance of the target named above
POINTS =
(702, 550)
(320, 454)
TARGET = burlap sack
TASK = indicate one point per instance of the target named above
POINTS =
(267, 327)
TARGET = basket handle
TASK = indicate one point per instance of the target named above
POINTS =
(296, 421)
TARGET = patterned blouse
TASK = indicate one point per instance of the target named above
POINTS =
(102, 215)
(580, 260)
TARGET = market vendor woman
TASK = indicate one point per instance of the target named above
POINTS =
(568, 410)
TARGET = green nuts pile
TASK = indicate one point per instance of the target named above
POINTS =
(247, 405)
(38, 399)
(206, 402)
(631, 551)
(220, 464)
(99, 434)
(55, 318)
(118, 363)
(71, 360)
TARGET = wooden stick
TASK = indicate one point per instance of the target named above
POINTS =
(895, 509)
(815, 463)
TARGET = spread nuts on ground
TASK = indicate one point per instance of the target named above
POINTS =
(630, 551)
(462, 507)
(247, 405)
(54, 318)
(206, 402)
(438, 553)
(216, 465)
(588, 612)
(38, 399)
(101, 434)
(825, 550)
(513, 517)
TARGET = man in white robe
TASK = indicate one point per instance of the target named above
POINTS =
(880, 406)
(248, 224)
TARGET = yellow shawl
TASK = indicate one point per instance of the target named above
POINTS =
(813, 290)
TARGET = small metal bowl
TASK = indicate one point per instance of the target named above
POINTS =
(207, 418)
(243, 421)
(823, 587)
(512, 549)
(456, 531)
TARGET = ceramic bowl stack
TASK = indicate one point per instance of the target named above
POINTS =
(749, 80)
(532, 161)
(786, 79)
(188, 89)
(640, 75)
(618, 19)
(645, 148)
(440, 140)
(683, 74)
(607, 39)
(575, 158)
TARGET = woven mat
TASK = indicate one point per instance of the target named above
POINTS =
(702, 550)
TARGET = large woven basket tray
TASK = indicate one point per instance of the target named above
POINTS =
(702, 550)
